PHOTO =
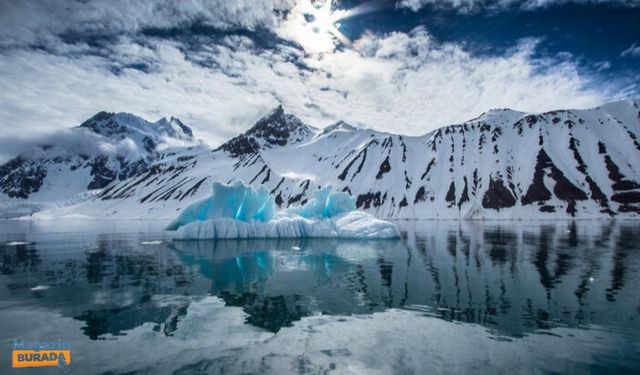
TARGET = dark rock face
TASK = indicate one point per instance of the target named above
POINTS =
(19, 178)
(279, 200)
(597, 194)
(301, 197)
(625, 185)
(95, 119)
(465, 194)
(102, 175)
(363, 156)
(497, 196)
(571, 208)
(564, 189)
(429, 166)
(420, 195)
(626, 197)
(240, 145)
(149, 144)
(620, 183)
(451, 194)
(185, 129)
(626, 192)
(384, 168)
(368, 200)
(403, 202)
(276, 129)
(131, 169)
(104, 123)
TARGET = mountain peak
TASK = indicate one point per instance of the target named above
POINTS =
(173, 128)
(106, 123)
(277, 128)
(277, 123)
(499, 116)
(120, 125)
(276, 113)
(185, 129)
(339, 126)
(97, 118)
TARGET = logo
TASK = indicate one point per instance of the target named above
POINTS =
(41, 354)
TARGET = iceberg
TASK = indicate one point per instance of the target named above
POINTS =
(237, 210)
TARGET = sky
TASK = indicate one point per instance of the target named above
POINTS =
(403, 66)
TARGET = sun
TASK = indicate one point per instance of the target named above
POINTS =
(315, 24)
(322, 19)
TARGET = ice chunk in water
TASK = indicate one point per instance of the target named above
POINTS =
(236, 201)
(326, 204)
(241, 211)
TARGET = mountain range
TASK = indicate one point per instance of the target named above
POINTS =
(503, 164)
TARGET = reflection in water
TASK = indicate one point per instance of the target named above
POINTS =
(514, 278)
(109, 283)
(277, 285)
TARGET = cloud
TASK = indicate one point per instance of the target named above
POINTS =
(37, 21)
(45, 92)
(59, 143)
(633, 51)
(197, 65)
(496, 5)
(79, 140)
(408, 83)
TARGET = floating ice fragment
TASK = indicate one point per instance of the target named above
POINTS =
(237, 210)
(296, 248)
(16, 243)
(148, 243)
(40, 288)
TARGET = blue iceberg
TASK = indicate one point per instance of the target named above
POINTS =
(237, 210)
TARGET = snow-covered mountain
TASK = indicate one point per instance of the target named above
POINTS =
(69, 165)
(503, 164)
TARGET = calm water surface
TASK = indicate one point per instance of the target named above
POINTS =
(448, 297)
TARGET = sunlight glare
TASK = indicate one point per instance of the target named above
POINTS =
(314, 24)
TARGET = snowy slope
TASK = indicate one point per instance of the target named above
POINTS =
(503, 164)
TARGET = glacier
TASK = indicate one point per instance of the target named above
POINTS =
(237, 210)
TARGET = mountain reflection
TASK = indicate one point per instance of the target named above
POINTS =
(514, 278)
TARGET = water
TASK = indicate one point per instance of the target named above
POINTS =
(447, 298)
